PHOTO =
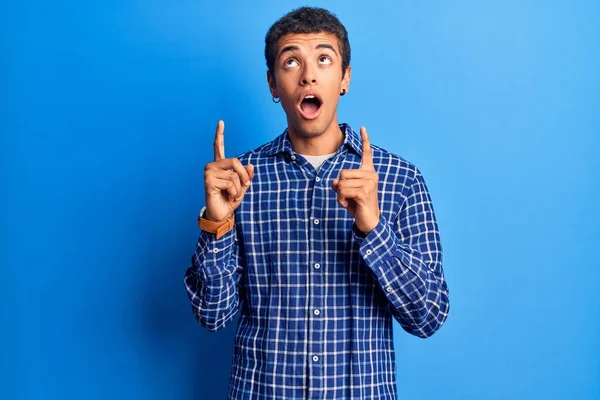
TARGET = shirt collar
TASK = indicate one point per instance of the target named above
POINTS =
(282, 143)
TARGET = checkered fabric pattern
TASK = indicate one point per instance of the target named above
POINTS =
(316, 297)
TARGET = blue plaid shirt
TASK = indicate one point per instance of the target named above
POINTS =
(316, 297)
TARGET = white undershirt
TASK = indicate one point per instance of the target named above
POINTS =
(317, 161)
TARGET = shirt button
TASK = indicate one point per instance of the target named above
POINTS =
(215, 250)
(389, 289)
(318, 179)
(317, 312)
(316, 221)
(293, 158)
(369, 252)
(317, 266)
(315, 358)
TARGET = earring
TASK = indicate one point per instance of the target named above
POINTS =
(343, 92)
(276, 101)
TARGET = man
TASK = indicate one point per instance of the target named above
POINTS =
(317, 238)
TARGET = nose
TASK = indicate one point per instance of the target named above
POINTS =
(308, 76)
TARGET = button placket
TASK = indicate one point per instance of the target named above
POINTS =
(316, 323)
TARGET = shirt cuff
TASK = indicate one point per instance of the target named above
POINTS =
(377, 244)
(384, 255)
(213, 253)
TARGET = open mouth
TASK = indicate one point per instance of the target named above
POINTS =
(310, 106)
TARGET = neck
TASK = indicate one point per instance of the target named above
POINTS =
(309, 144)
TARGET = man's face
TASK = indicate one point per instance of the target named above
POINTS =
(308, 80)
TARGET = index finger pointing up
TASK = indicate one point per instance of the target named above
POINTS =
(219, 144)
(367, 154)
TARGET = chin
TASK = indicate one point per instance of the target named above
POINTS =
(310, 128)
(311, 131)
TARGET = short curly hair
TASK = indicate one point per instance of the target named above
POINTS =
(306, 20)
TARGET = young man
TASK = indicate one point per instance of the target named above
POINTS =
(317, 238)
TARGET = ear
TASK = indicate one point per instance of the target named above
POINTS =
(272, 85)
(346, 78)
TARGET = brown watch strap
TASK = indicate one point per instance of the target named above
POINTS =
(219, 228)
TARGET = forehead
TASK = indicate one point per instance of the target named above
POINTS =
(308, 41)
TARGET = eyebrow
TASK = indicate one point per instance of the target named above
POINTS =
(296, 48)
(326, 46)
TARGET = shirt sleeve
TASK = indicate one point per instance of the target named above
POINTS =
(406, 257)
(213, 279)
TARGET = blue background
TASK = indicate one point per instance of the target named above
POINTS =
(108, 110)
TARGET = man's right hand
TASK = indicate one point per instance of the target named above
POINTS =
(226, 181)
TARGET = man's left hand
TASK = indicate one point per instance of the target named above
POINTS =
(357, 189)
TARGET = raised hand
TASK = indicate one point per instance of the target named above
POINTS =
(357, 189)
(226, 181)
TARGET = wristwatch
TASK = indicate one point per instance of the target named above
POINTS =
(219, 228)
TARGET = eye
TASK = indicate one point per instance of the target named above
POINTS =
(324, 60)
(290, 62)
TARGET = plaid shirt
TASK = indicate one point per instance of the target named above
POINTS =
(316, 297)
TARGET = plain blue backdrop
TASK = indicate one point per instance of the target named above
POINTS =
(108, 110)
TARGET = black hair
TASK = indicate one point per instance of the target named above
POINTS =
(306, 20)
